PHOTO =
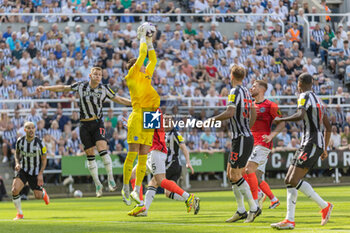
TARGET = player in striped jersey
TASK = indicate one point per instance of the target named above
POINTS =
(313, 145)
(92, 95)
(144, 98)
(30, 164)
(242, 116)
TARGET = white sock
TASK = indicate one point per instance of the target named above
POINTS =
(17, 201)
(307, 189)
(107, 161)
(292, 195)
(274, 199)
(43, 195)
(239, 199)
(186, 195)
(244, 188)
(176, 197)
(151, 192)
(92, 165)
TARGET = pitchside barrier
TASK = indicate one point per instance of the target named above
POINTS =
(211, 162)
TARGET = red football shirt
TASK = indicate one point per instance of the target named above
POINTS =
(266, 112)
(159, 138)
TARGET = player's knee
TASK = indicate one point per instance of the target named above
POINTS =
(294, 182)
(38, 195)
(287, 180)
(235, 177)
(15, 191)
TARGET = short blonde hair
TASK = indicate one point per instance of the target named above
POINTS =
(237, 72)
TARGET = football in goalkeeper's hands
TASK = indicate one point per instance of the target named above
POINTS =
(150, 28)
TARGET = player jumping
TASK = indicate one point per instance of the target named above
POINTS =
(30, 165)
(143, 98)
(163, 163)
(242, 116)
(92, 94)
(266, 111)
(314, 145)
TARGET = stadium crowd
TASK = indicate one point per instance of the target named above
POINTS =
(192, 62)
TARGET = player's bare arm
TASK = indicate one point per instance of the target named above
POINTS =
(252, 117)
(41, 172)
(327, 135)
(56, 88)
(278, 129)
(184, 150)
(17, 160)
(121, 100)
(298, 116)
(227, 114)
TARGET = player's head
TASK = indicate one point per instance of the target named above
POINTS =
(237, 73)
(259, 87)
(29, 128)
(304, 82)
(96, 74)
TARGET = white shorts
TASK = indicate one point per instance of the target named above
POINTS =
(259, 155)
(262, 167)
(156, 162)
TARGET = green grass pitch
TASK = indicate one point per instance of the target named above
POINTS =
(109, 214)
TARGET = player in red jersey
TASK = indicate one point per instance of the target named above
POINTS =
(266, 111)
(156, 164)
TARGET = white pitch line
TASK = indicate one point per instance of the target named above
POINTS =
(162, 223)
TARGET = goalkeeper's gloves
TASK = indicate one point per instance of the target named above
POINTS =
(149, 42)
(141, 32)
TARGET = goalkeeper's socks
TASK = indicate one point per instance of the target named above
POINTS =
(132, 181)
(140, 169)
(173, 187)
(128, 165)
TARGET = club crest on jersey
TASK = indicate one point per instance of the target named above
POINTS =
(262, 109)
(136, 138)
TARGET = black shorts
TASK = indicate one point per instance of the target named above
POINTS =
(306, 156)
(242, 148)
(173, 172)
(32, 180)
(91, 132)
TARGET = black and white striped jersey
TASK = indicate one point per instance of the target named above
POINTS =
(91, 99)
(173, 140)
(241, 99)
(313, 126)
(30, 154)
(10, 136)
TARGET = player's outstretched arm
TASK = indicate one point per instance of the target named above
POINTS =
(56, 88)
(121, 100)
(298, 116)
(151, 55)
(229, 112)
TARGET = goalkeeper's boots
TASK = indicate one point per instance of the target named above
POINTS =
(137, 210)
(126, 198)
